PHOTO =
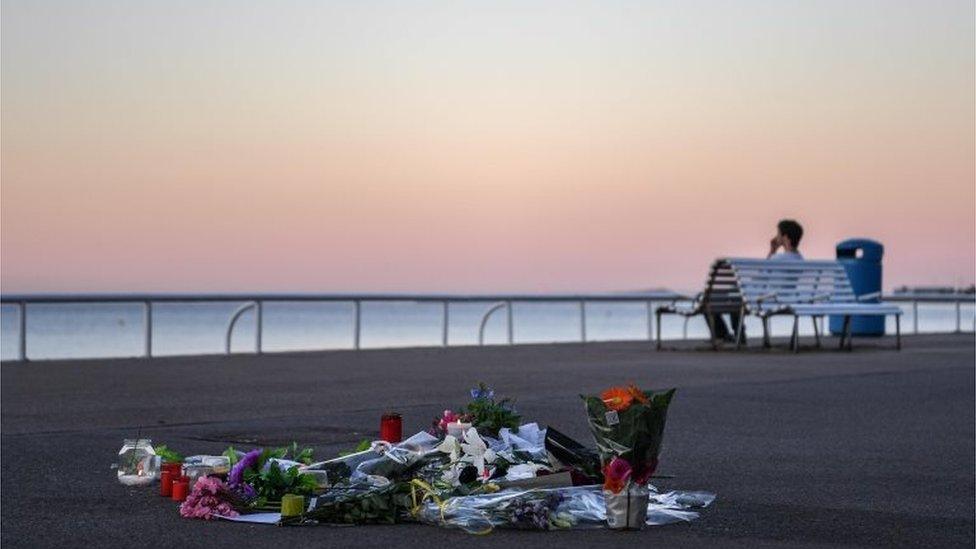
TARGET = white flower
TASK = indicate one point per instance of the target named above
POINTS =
(477, 453)
(451, 447)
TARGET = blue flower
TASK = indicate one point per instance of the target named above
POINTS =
(482, 392)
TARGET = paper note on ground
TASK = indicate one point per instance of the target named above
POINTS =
(256, 518)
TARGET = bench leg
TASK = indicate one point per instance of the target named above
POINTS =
(657, 314)
(766, 342)
(850, 336)
(843, 331)
(898, 332)
(739, 329)
(710, 318)
(816, 330)
(795, 339)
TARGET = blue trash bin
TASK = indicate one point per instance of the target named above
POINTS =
(861, 258)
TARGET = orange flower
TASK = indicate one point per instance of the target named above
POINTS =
(617, 398)
(638, 395)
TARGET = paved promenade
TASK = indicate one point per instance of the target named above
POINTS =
(824, 448)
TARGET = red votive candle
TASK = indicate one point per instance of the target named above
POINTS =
(391, 427)
(175, 469)
(166, 483)
(180, 489)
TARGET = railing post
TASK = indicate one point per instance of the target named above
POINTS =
(259, 327)
(582, 319)
(511, 330)
(357, 323)
(446, 321)
(22, 319)
(650, 320)
(147, 328)
(915, 316)
(958, 316)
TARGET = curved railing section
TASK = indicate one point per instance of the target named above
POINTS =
(233, 320)
(487, 315)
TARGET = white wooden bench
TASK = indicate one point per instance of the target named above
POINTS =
(767, 288)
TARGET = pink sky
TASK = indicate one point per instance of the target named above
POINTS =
(465, 147)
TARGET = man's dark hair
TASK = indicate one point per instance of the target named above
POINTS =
(792, 230)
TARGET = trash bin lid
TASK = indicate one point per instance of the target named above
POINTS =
(871, 250)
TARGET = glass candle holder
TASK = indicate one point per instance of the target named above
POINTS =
(138, 462)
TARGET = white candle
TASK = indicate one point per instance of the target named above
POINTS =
(457, 429)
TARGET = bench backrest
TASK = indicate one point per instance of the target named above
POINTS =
(734, 281)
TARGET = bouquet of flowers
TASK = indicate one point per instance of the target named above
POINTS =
(262, 476)
(628, 426)
(484, 413)
(534, 509)
(211, 498)
(360, 503)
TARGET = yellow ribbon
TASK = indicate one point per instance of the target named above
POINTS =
(430, 494)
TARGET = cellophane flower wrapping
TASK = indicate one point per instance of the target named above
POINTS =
(552, 509)
(633, 433)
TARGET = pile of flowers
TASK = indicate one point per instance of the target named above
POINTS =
(476, 469)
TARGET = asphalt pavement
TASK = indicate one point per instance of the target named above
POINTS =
(824, 448)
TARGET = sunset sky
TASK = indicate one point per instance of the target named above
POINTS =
(477, 146)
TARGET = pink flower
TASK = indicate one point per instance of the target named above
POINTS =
(439, 425)
(206, 500)
(616, 474)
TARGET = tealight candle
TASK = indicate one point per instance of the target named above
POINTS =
(166, 483)
(180, 490)
(292, 505)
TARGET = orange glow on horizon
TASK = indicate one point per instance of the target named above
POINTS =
(375, 147)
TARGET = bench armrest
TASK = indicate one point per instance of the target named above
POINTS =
(695, 299)
(872, 295)
(764, 297)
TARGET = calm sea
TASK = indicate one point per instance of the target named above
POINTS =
(115, 330)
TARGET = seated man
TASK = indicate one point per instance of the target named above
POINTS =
(788, 235)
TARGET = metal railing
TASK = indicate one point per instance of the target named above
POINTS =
(256, 303)
(915, 299)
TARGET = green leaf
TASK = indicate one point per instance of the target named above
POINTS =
(361, 447)
(168, 455)
(305, 456)
(231, 455)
